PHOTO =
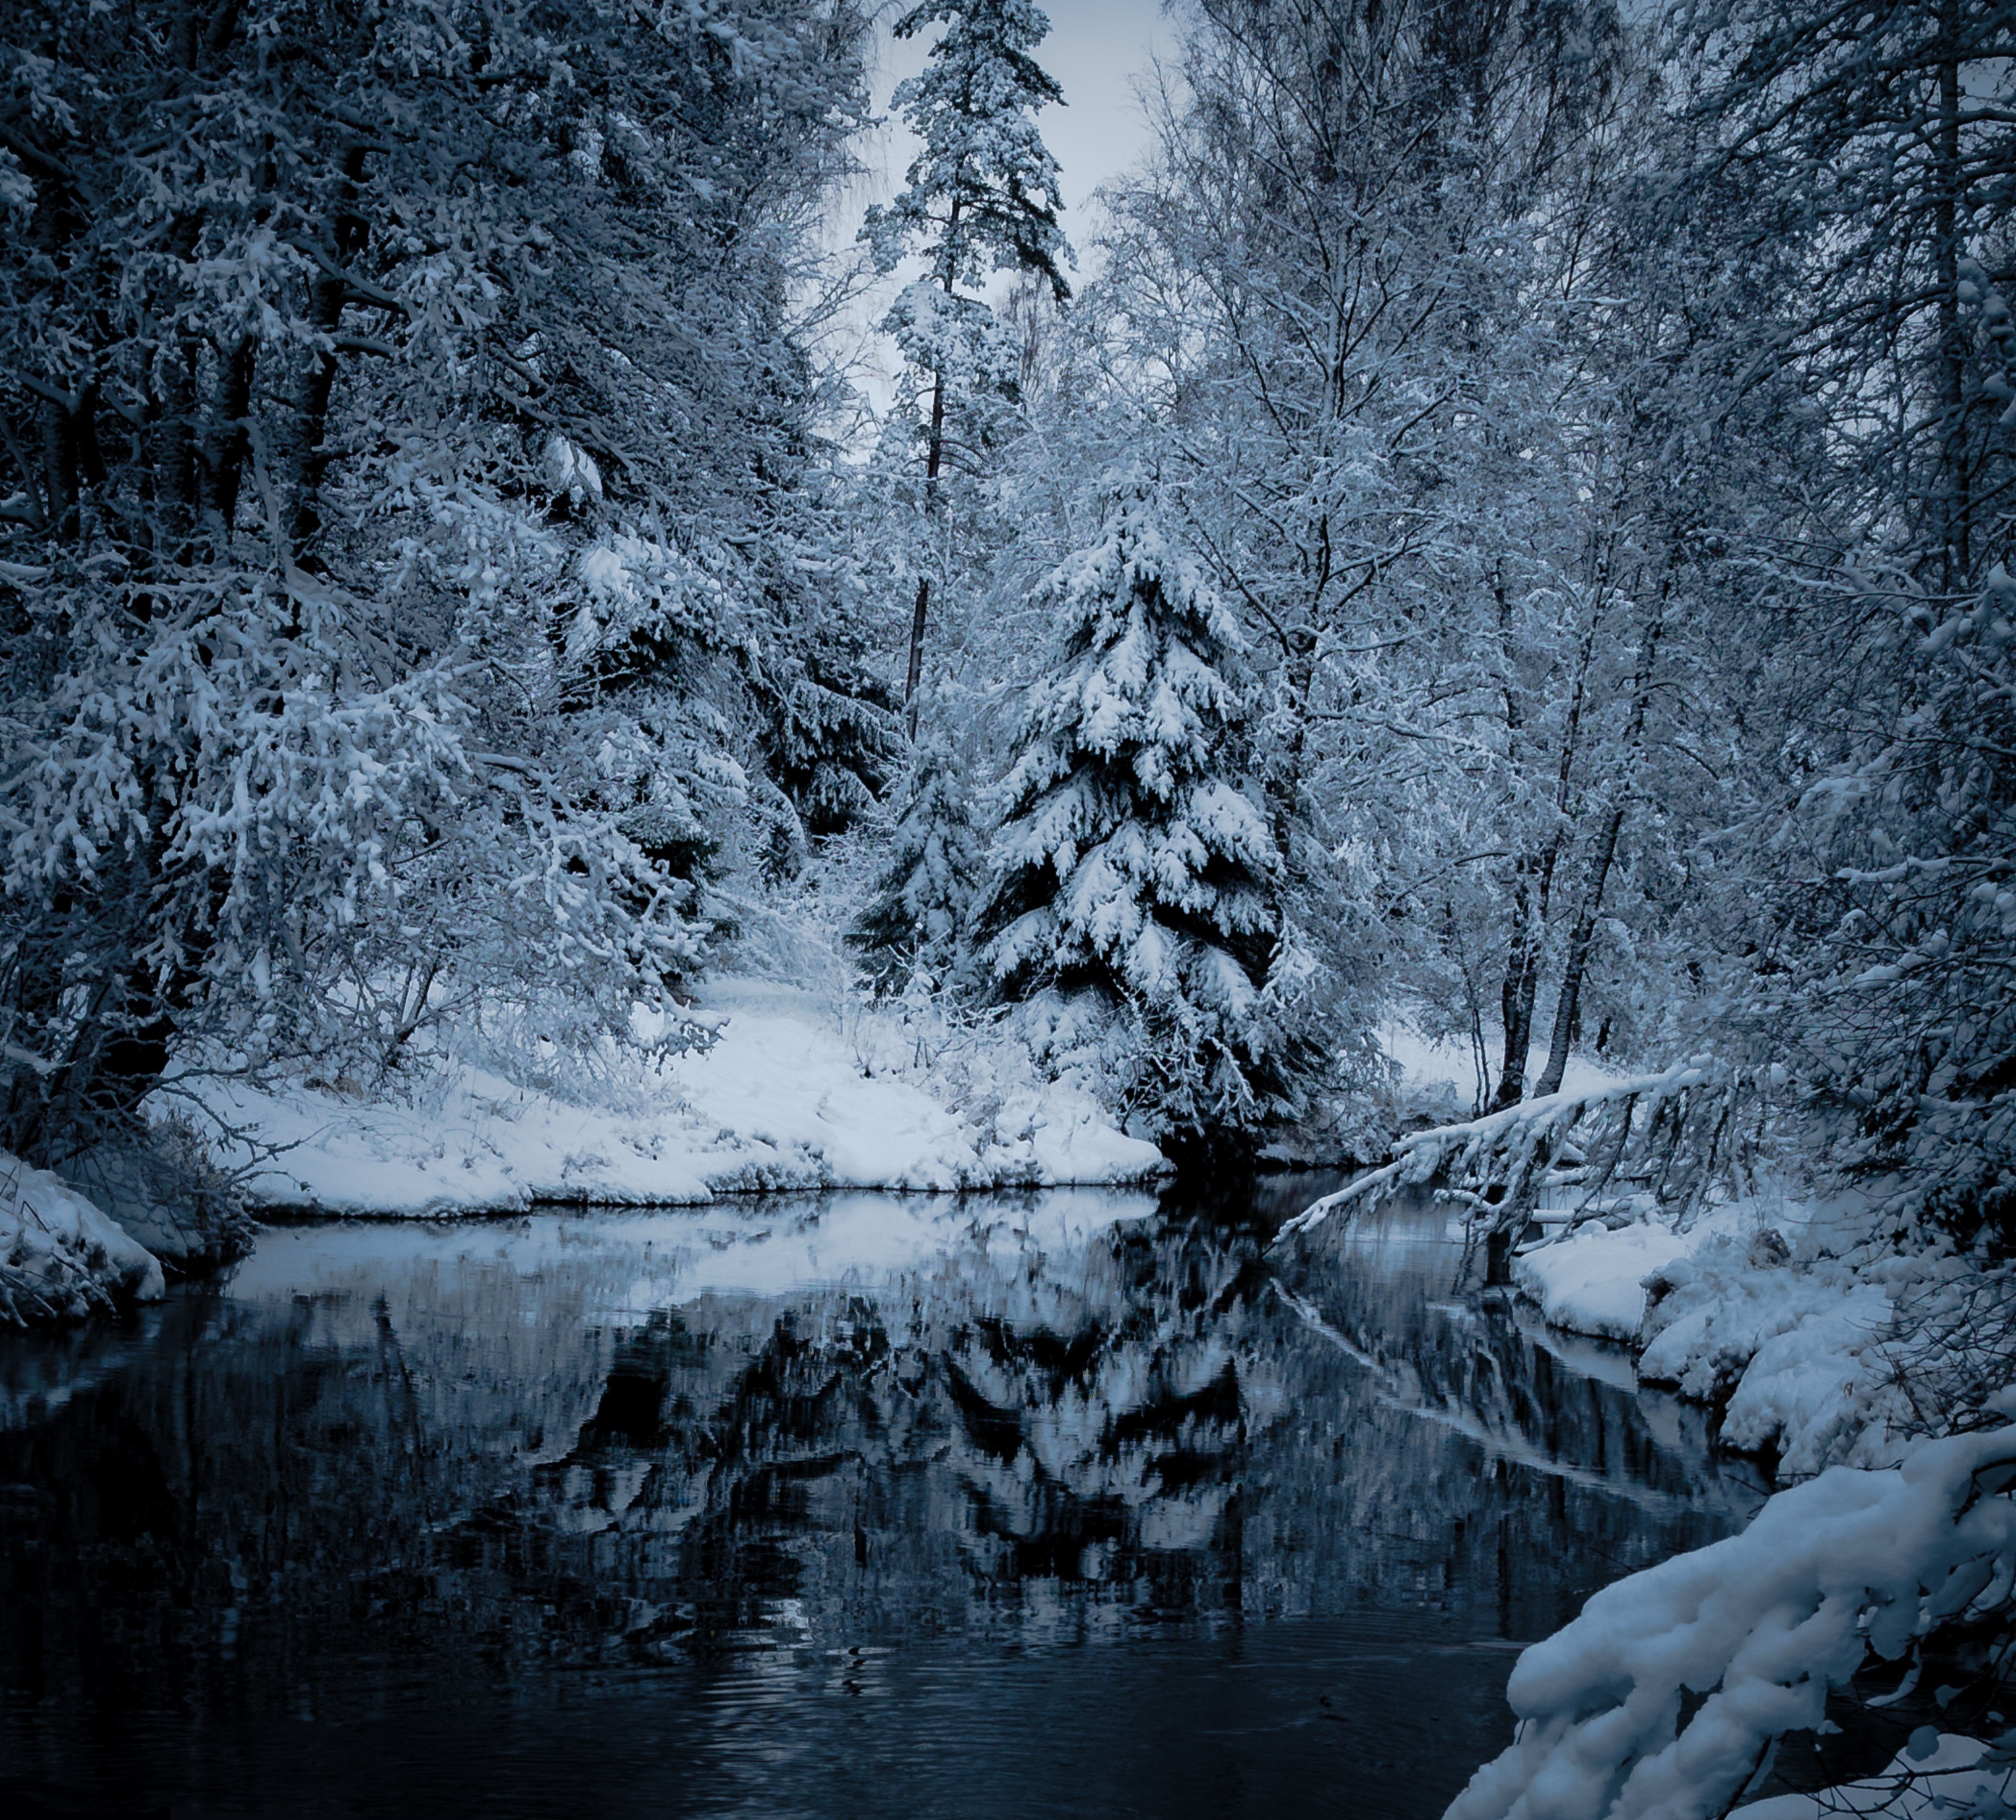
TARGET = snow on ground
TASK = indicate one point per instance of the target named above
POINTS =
(799, 1091)
(1443, 1072)
(60, 1257)
(803, 1088)
(1594, 1282)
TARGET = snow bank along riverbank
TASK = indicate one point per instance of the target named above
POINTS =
(1734, 1290)
(1777, 1312)
(798, 1090)
(61, 1257)
(801, 1088)
(1892, 1559)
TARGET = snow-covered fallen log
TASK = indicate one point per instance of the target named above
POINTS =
(61, 1256)
(1503, 1161)
(1852, 1564)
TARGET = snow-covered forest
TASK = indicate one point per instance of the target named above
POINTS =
(1457, 622)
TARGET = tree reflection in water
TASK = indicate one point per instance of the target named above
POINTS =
(380, 1459)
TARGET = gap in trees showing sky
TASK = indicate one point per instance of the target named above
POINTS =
(1103, 54)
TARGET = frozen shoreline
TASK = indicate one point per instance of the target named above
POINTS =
(801, 1090)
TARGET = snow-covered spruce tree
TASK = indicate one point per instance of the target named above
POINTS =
(914, 926)
(1136, 907)
(980, 197)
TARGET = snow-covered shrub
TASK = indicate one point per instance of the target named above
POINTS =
(1135, 905)
(1663, 1700)
(166, 1191)
(1955, 1345)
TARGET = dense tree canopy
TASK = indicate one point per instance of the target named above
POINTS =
(431, 577)
(410, 460)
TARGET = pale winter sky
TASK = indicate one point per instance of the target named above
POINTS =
(1099, 51)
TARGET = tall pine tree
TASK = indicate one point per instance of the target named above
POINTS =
(980, 197)
(1137, 883)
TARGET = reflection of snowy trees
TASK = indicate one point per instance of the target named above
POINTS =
(1151, 1425)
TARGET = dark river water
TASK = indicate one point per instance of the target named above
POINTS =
(1061, 1504)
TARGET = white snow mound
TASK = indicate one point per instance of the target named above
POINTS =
(61, 1256)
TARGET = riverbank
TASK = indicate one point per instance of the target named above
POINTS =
(798, 1090)
(62, 1258)
(802, 1088)
(1774, 1311)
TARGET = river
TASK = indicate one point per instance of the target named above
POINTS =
(1070, 1503)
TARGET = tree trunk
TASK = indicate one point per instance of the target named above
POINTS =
(1582, 937)
(1515, 1007)
(934, 466)
(917, 650)
(227, 444)
(934, 463)
(312, 454)
(1522, 969)
(1957, 538)
(1568, 1008)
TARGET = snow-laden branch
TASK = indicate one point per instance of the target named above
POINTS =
(1520, 1136)
(1850, 1564)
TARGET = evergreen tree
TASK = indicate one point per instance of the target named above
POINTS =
(980, 197)
(1137, 884)
(915, 921)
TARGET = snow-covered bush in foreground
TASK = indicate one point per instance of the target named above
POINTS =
(60, 1257)
(1852, 1565)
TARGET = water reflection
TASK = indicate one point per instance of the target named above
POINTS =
(597, 1513)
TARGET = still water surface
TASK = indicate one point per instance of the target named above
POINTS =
(1072, 1503)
